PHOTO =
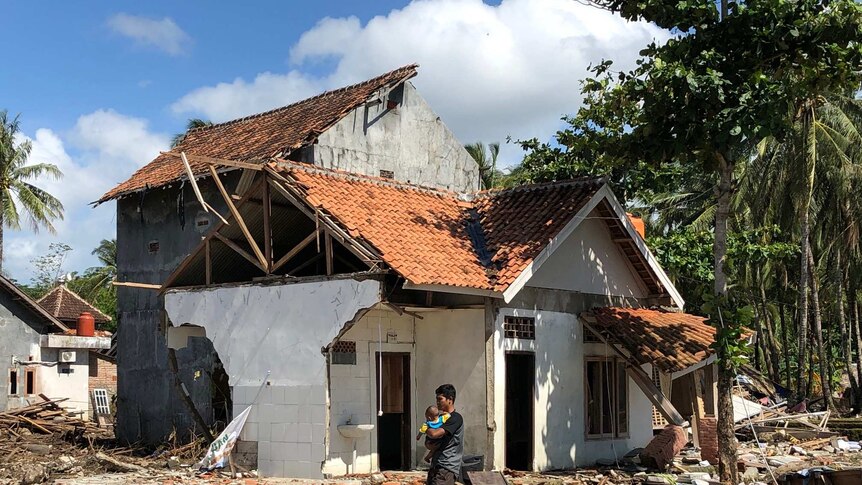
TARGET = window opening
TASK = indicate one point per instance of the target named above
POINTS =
(519, 327)
(30, 382)
(607, 398)
(344, 352)
(13, 382)
(658, 420)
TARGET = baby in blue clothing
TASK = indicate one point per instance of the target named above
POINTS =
(433, 420)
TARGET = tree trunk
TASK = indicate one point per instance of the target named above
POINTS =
(2, 223)
(727, 467)
(846, 344)
(825, 375)
(857, 336)
(771, 347)
(788, 372)
(805, 244)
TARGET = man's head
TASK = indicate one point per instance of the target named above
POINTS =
(446, 398)
(431, 413)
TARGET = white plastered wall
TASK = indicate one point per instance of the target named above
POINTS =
(65, 380)
(281, 329)
(559, 436)
(589, 261)
(445, 346)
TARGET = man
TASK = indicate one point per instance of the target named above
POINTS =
(449, 448)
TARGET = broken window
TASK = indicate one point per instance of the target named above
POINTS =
(519, 327)
(344, 352)
(607, 398)
(13, 382)
(658, 420)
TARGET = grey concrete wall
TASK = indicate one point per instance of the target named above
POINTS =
(410, 141)
(148, 407)
(19, 339)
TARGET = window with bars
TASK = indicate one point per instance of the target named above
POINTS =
(658, 420)
(519, 327)
(344, 352)
(606, 398)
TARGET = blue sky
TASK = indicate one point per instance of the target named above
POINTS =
(102, 86)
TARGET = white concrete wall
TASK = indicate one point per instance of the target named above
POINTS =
(353, 388)
(450, 347)
(560, 434)
(411, 141)
(588, 261)
(280, 329)
(445, 346)
(64, 380)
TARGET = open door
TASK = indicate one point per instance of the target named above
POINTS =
(520, 382)
(394, 426)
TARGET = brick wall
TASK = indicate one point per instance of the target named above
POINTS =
(103, 375)
(708, 436)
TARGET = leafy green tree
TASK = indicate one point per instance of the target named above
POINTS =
(193, 123)
(17, 194)
(702, 101)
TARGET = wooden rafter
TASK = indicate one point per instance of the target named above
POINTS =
(293, 252)
(240, 221)
(267, 227)
(208, 263)
(201, 247)
(330, 264)
(251, 259)
(218, 161)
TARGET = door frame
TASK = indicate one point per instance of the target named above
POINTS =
(535, 390)
(373, 348)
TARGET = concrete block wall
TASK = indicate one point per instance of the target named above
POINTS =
(352, 388)
(103, 375)
(289, 425)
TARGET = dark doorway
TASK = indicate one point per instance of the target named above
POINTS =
(394, 426)
(520, 381)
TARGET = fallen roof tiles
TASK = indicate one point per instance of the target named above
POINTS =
(673, 341)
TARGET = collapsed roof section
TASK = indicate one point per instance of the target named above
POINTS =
(487, 243)
(672, 341)
(259, 137)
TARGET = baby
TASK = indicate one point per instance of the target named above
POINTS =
(433, 420)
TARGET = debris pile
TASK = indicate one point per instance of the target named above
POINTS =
(46, 417)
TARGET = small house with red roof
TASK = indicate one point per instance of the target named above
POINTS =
(67, 306)
(346, 273)
(44, 356)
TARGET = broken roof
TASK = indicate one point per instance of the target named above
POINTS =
(66, 305)
(673, 341)
(259, 137)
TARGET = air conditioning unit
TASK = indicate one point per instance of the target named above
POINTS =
(67, 356)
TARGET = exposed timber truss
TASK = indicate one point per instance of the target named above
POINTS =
(271, 233)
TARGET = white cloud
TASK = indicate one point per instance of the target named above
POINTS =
(489, 71)
(101, 150)
(162, 34)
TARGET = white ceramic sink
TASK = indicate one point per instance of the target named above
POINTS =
(355, 430)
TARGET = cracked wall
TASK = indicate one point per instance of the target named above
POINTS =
(280, 329)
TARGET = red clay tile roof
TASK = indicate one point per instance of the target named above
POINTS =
(65, 305)
(424, 234)
(672, 341)
(262, 136)
(520, 222)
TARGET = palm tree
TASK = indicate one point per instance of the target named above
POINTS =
(103, 275)
(486, 161)
(192, 124)
(17, 194)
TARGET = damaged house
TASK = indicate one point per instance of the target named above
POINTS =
(357, 268)
(44, 356)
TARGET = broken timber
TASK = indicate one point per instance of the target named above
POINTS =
(240, 221)
(643, 381)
